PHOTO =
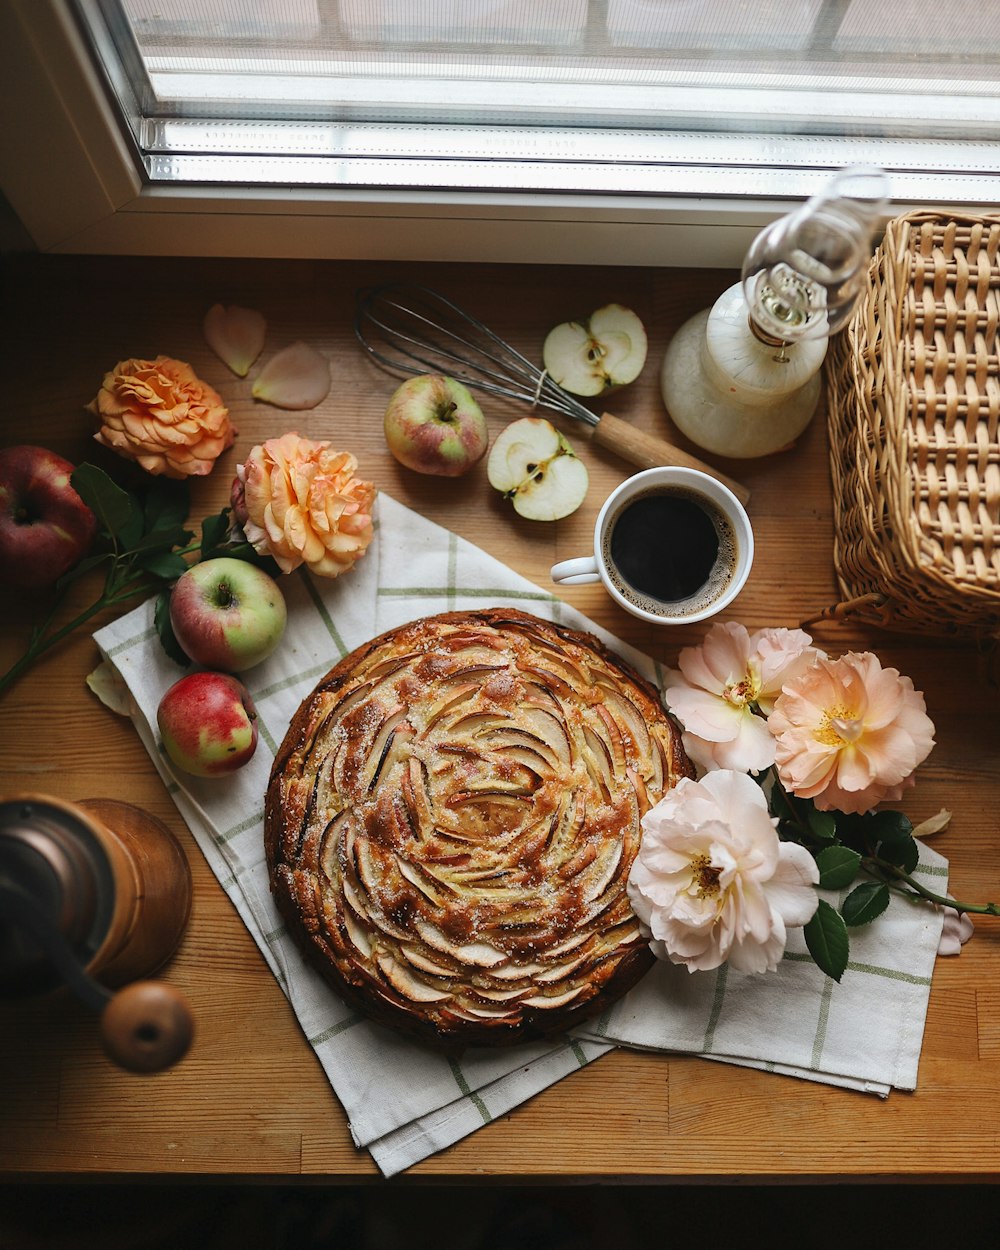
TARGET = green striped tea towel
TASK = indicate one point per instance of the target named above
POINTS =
(403, 1101)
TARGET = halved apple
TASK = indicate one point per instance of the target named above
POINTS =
(588, 357)
(534, 466)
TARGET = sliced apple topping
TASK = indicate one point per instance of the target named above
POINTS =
(534, 466)
(406, 983)
(589, 357)
(470, 822)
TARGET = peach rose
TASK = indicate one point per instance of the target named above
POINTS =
(849, 733)
(300, 503)
(158, 413)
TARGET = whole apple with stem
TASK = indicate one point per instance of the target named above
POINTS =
(434, 425)
(45, 527)
(227, 614)
(208, 724)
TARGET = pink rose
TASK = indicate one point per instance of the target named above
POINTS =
(727, 686)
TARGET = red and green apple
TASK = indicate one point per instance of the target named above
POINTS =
(227, 614)
(434, 425)
(45, 527)
(208, 724)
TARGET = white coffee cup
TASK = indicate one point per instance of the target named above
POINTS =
(652, 564)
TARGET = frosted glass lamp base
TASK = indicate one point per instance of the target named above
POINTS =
(717, 413)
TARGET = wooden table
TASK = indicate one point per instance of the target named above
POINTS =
(250, 1100)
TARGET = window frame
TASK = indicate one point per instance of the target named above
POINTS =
(72, 173)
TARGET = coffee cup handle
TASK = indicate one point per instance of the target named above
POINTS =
(576, 572)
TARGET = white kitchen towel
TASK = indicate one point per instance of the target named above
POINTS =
(403, 1101)
(863, 1033)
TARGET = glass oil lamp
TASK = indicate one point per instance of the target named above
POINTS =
(742, 378)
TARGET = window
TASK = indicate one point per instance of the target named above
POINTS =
(664, 131)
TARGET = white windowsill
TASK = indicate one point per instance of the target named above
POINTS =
(632, 198)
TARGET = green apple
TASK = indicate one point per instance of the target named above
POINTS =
(534, 466)
(227, 614)
(606, 350)
(208, 724)
(434, 425)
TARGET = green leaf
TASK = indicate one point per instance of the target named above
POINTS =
(822, 825)
(161, 619)
(214, 531)
(166, 505)
(864, 903)
(163, 539)
(780, 804)
(827, 940)
(888, 826)
(118, 512)
(166, 564)
(838, 866)
(903, 854)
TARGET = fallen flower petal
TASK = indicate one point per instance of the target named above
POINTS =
(957, 930)
(106, 682)
(236, 335)
(933, 824)
(297, 377)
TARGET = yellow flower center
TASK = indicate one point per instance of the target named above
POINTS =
(740, 693)
(705, 876)
(840, 727)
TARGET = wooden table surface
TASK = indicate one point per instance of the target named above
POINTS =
(250, 1099)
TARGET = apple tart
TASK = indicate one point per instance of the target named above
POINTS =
(451, 820)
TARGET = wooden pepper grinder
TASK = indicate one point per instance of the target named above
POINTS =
(96, 895)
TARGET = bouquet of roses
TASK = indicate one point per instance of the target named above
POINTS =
(796, 750)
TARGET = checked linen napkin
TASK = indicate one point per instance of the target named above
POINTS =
(403, 1101)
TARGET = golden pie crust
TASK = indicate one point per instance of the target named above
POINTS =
(451, 820)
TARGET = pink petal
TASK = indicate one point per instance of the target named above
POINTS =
(751, 751)
(955, 932)
(236, 335)
(297, 377)
(721, 660)
(790, 889)
(707, 715)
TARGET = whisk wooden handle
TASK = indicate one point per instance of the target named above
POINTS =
(647, 452)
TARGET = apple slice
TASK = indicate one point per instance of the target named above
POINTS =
(534, 466)
(588, 357)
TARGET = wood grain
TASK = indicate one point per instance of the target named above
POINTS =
(250, 1098)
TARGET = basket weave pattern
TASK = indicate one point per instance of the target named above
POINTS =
(913, 390)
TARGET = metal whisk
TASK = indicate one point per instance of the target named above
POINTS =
(409, 328)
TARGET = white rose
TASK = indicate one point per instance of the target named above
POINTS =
(713, 882)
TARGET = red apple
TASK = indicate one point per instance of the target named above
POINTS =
(433, 425)
(208, 724)
(227, 614)
(45, 527)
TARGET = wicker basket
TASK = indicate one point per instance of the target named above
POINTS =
(913, 392)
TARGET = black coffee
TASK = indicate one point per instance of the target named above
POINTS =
(671, 546)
